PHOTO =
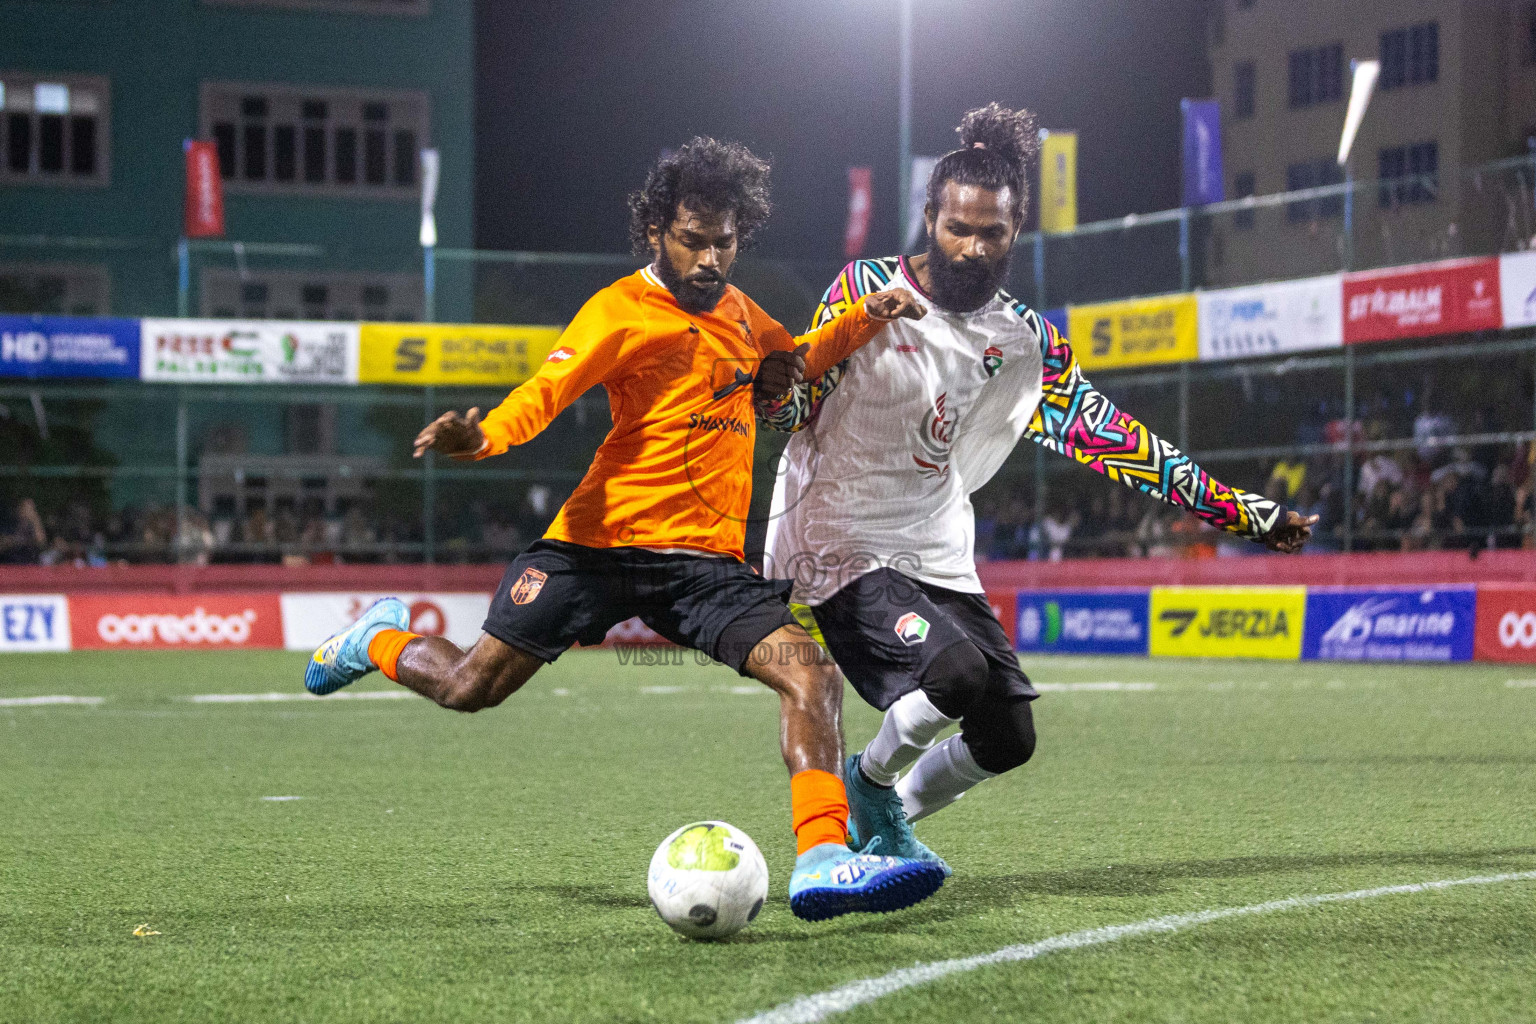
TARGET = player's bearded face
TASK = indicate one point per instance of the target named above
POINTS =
(970, 244)
(694, 258)
(963, 284)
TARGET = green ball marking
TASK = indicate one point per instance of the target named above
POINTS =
(702, 848)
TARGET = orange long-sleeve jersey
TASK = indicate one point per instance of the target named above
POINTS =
(676, 469)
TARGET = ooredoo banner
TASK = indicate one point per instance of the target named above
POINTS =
(1506, 624)
(68, 346)
(1271, 319)
(1450, 297)
(1228, 622)
(34, 622)
(249, 351)
(308, 619)
(1389, 624)
(1082, 621)
(119, 621)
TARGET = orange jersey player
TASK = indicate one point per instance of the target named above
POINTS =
(656, 527)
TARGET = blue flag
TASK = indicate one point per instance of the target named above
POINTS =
(1202, 152)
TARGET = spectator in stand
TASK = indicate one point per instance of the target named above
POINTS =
(1056, 530)
(1428, 428)
(1494, 514)
(22, 537)
(1291, 473)
(1431, 523)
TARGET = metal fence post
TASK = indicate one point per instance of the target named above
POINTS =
(1040, 271)
(1184, 408)
(1349, 448)
(178, 545)
(183, 276)
(1185, 271)
(429, 482)
(1039, 496)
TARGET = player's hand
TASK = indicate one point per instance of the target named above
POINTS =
(452, 434)
(897, 302)
(1290, 533)
(780, 371)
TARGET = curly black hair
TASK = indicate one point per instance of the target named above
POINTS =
(998, 147)
(706, 175)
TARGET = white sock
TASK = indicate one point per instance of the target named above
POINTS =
(911, 726)
(940, 777)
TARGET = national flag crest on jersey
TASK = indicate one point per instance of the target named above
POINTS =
(528, 586)
(912, 628)
(992, 360)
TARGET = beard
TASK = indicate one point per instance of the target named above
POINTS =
(967, 284)
(699, 292)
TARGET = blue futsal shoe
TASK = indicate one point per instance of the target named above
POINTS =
(876, 813)
(343, 659)
(831, 880)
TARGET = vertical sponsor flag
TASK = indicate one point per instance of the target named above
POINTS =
(430, 167)
(1203, 178)
(1058, 181)
(860, 201)
(917, 198)
(204, 212)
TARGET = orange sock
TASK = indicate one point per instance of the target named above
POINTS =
(819, 806)
(385, 647)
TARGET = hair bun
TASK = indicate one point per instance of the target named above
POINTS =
(1011, 134)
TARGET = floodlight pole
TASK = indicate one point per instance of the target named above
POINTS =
(904, 173)
(1363, 75)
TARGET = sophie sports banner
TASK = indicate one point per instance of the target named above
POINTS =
(453, 353)
(1450, 297)
(249, 351)
(1136, 332)
(1272, 319)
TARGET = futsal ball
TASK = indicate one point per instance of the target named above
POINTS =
(708, 880)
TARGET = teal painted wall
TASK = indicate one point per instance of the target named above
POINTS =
(156, 53)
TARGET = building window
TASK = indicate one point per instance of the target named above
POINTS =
(1530, 34)
(53, 130)
(341, 6)
(295, 295)
(1243, 186)
(1314, 174)
(1317, 75)
(1410, 56)
(1243, 89)
(1409, 174)
(68, 289)
(286, 139)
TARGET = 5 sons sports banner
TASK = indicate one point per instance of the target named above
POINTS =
(1389, 624)
(1135, 332)
(1272, 319)
(453, 353)
(249, 351)
(1228, 622)
(68, 346)
(1082, 621)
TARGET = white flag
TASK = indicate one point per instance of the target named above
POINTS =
(429, 169)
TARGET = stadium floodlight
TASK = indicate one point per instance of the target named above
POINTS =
(1365, 74)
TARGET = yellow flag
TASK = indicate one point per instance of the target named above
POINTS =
(1058, 181)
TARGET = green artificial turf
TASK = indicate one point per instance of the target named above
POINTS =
(442, 867)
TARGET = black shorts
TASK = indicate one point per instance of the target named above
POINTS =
(885, 628)
(558, 594)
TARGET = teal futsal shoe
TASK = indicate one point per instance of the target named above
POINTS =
(343, 659)
(831, 880)
(876, 813)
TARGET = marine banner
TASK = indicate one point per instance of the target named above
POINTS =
(1228, 622)
(1389, 624)
(249, 351)
(1082, 621)
(1272, 319)
(1136, 332)
(453, 353)
(68, 346)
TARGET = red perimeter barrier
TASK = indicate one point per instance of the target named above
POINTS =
(191, 579)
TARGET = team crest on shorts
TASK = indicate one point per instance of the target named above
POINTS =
(992, 360)
(528, 586)
(912, 628)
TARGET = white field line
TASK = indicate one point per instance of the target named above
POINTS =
(1520, 683)
(665, 689)
(32, 702)
(821, 1005)
(264, 698)
(281, 799)
(1109, 685)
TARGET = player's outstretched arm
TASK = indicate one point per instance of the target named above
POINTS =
(1075, 420)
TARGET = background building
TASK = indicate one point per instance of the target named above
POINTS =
(319, 108)
(1457, 90)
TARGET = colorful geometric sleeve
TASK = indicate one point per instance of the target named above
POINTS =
(797, 410)
(1077, 421)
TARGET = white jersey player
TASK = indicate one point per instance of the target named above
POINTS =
(872, 517)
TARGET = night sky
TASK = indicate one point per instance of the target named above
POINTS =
(574, 99)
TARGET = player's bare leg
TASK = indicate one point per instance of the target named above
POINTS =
(810, 693)
(481, 677)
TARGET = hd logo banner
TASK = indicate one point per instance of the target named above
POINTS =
(1228, 622)
(1390, 624)
(453, 353)
(1082, 621)
(68, 346)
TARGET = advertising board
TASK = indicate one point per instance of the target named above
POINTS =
(1271, 319)
(1389, 624)
(453, 353)
(1082, 621)
(1136, 332)
(1449, 297)
(249, 352)
(309, 618)
(68, 346)
(1506, 623)
(1228, 622)
(118, 621)
(34, 622)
